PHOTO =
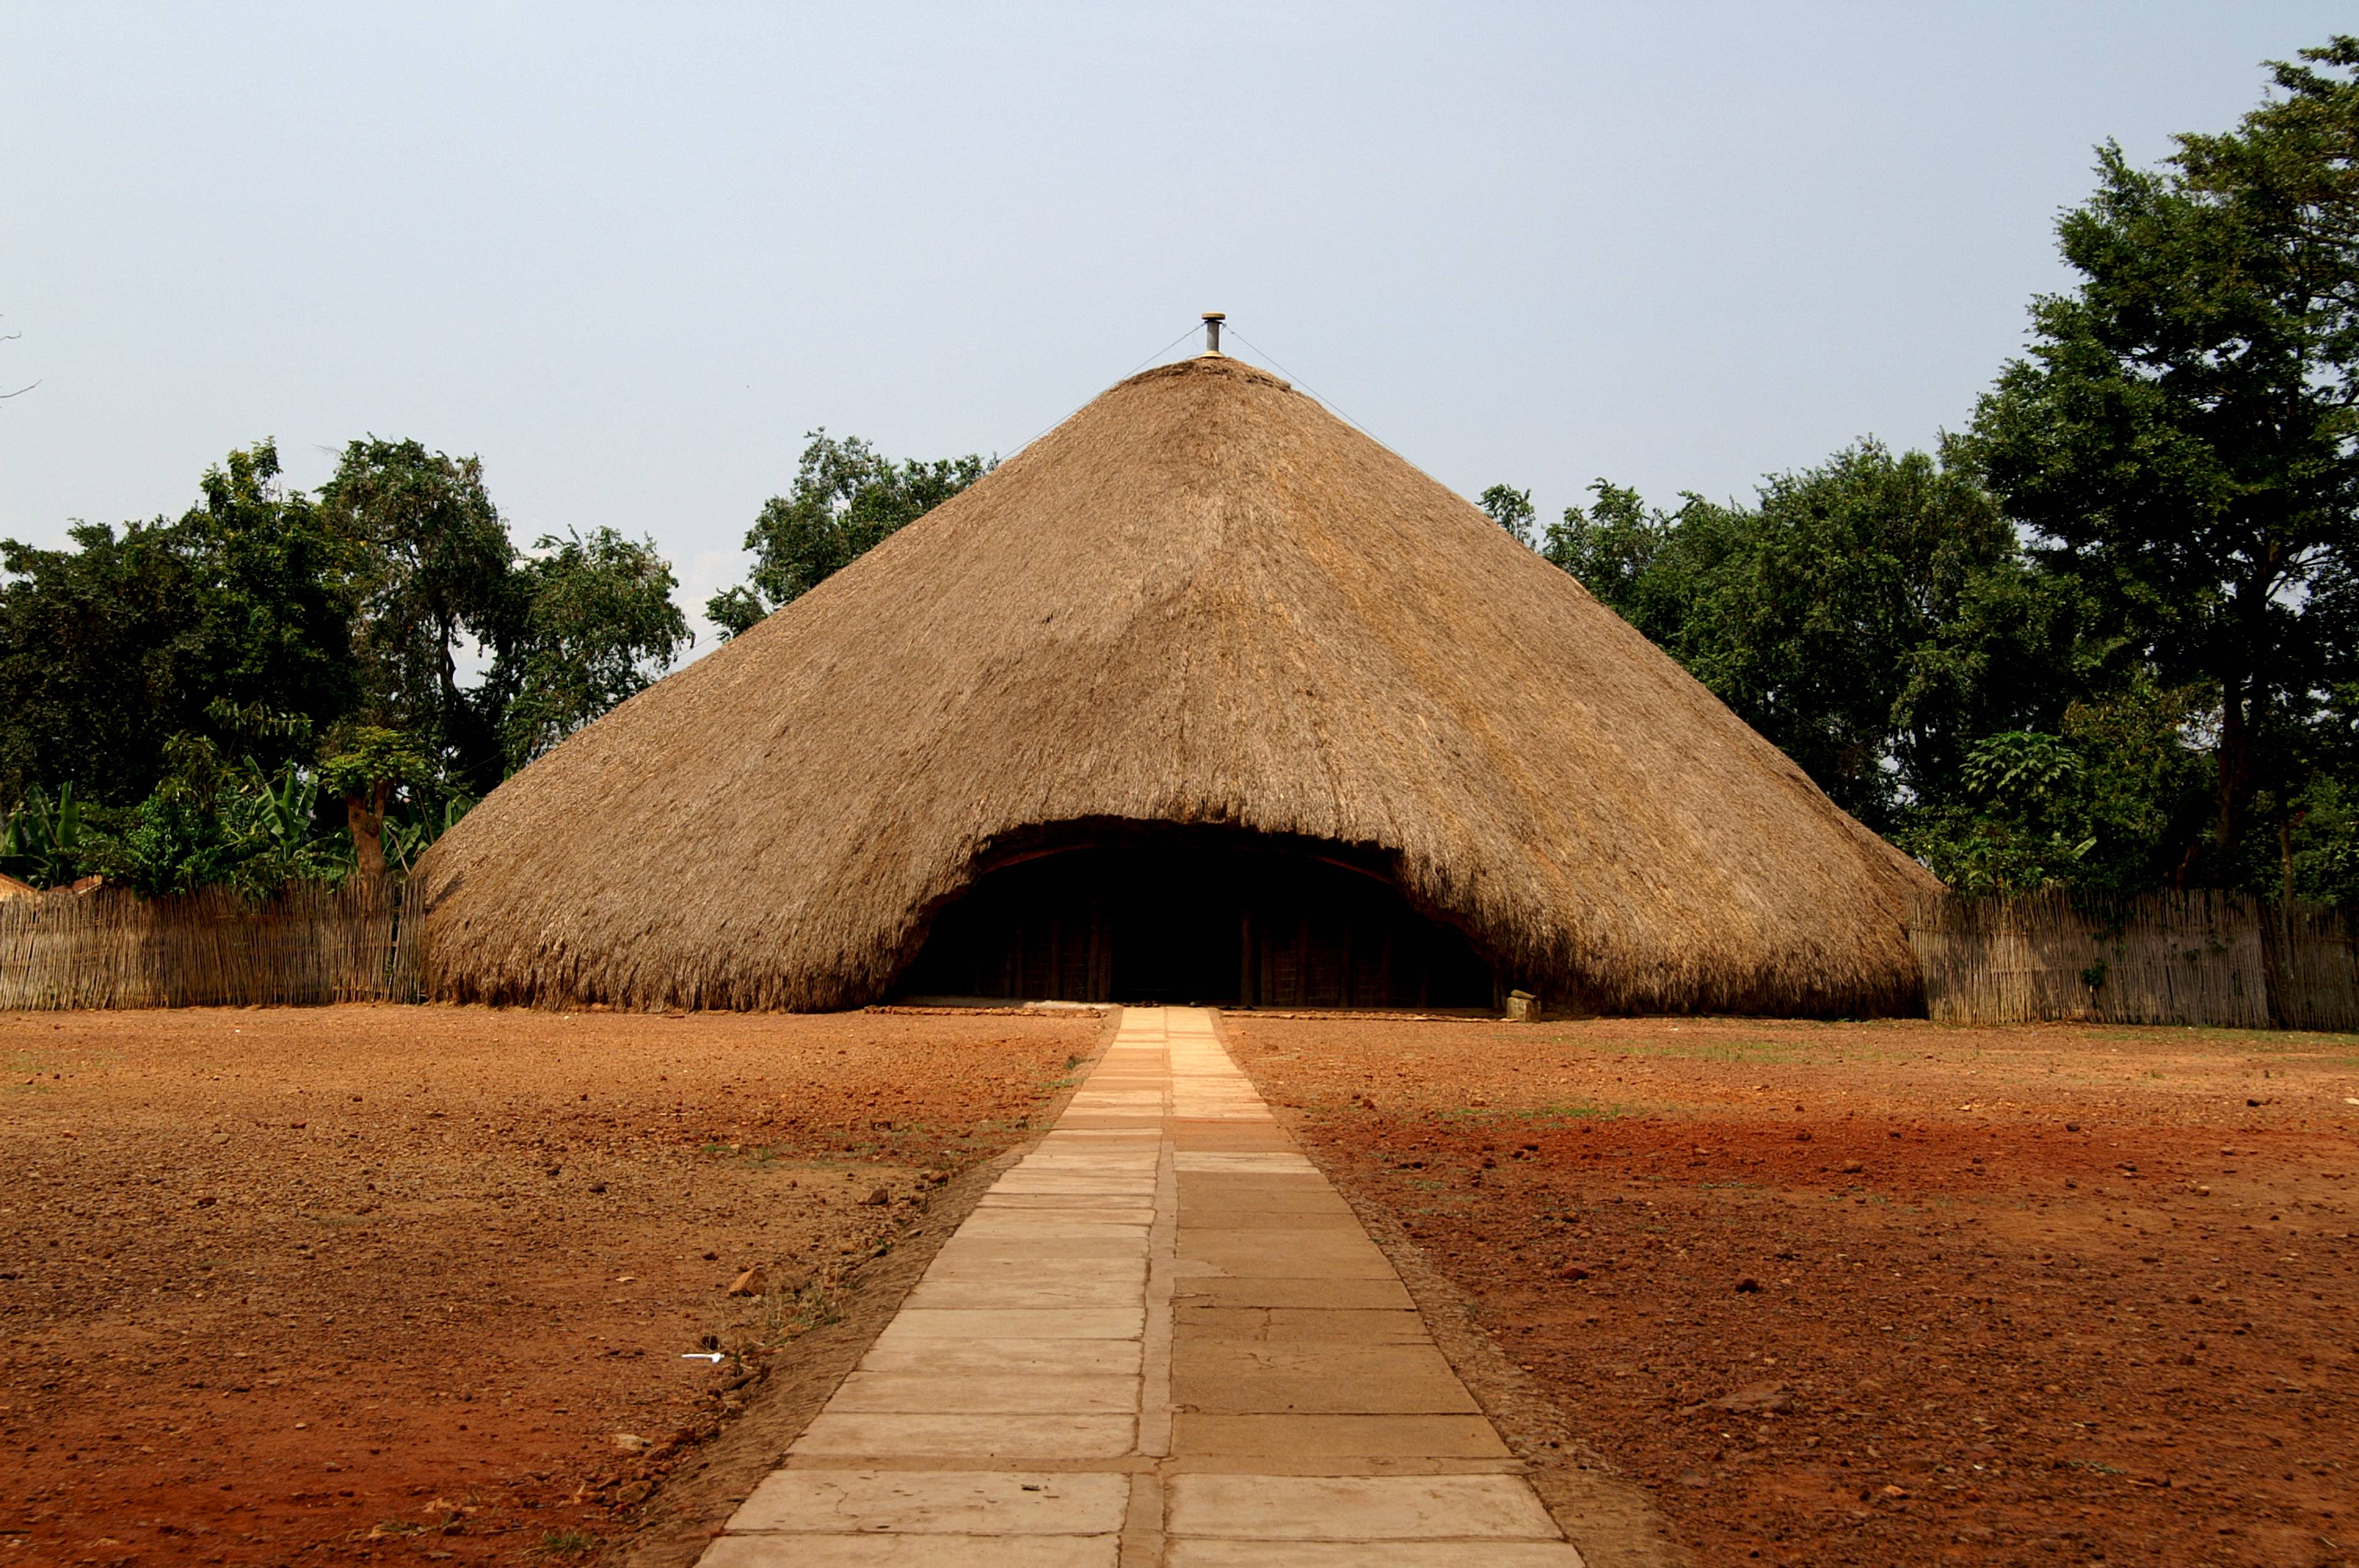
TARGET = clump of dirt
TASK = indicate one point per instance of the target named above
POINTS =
(426, 1283)
(1888, 1293)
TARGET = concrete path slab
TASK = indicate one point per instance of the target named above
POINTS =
(1373, 1554)
(1356, 1507)
(1296, 1438)
(1168, 1312)
(965, 1502)
(1030, 1391)
(1054, 1357)
(835, 1434)
(880, 1551)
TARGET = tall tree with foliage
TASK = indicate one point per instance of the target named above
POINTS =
(847, 500)
(279, 592)
(268, 688)
(367, 765)
(599, 626)
(1872, 616)
(2098, 805)
(2183, 439)
(434, 573)
(96, 642)
(109, 646)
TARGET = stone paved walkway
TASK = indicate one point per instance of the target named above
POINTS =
(1161, 1339)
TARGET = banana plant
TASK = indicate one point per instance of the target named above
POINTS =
(405, 842)
(43, 839)
(287, 808)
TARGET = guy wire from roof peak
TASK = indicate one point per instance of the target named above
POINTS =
(1313, 391)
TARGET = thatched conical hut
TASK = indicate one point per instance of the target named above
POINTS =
(1203, 695)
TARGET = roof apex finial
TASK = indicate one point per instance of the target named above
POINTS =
(1212, 320)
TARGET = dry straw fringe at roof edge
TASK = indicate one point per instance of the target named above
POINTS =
(561, 977)
(1202, 598)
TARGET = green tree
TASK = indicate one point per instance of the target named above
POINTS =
(1510, 508)
(1871, 616)
(213, 821)
(2322, 854)
(435, 572)
(599, 625)
(177, 675)
(367, 765)
(1612, 546)
(847, 500)
(2097, 806)
(125, 638)
(2183, 438)
(277, 591)
(92, 643)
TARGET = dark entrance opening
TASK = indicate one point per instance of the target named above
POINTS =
(1195, 914)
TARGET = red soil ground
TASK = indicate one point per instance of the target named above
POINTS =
(1892, 1294)
(414, 1284)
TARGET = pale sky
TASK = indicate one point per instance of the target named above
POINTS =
(630, 255)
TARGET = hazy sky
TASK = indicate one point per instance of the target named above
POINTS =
(631, 254)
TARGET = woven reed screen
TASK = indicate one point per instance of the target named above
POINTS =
(2216, 958)
(310, 944)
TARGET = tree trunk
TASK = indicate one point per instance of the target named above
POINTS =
(364, 815)
(446, 632)
(2233, 790)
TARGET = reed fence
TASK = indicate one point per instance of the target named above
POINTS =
(2216, 958)
(111, 948)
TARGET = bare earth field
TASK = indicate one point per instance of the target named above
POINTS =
(1889, 1293)
(416, 1284)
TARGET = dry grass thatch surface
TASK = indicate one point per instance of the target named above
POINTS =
(1202, 598)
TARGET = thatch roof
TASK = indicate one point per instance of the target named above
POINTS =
(1202, 598)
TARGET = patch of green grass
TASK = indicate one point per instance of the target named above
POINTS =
(763, 1157)
(37, 1065)
(1576, 1110)
(2259, 1041)
(741, 1154)
(60, 1062)
(1742, 1051)
(567, 1542)
(1703, 1049)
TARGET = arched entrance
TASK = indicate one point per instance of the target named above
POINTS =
(1141, 912)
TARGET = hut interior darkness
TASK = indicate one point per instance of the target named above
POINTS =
(1147, 912)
